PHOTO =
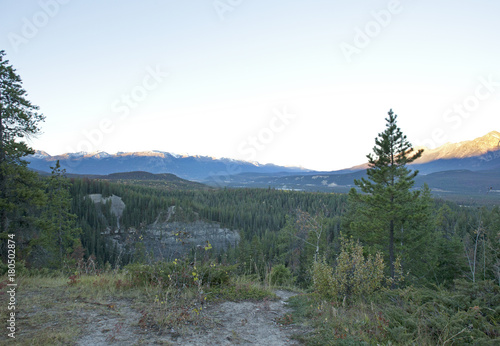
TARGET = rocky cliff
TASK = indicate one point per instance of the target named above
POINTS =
(165, 238)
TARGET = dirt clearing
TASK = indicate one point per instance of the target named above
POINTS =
(55, 315)
(246, 323)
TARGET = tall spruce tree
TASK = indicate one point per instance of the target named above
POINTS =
(19, 119)
(58, 229)
(387, 201)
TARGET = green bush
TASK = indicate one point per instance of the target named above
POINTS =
(323, 279)
(216, 275)
(280, 275)
(173, 274)
(179, 274)
(354, 276)
(467, 314)
(240, 289)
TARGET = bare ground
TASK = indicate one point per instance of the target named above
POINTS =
(228, 323)
(51, 317)
(246, 323)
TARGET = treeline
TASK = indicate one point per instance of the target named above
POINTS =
(277, 227)
(256, 213)
(284, 227)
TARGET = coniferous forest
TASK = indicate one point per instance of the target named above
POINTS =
(384, 264)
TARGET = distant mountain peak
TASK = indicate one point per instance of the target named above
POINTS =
(493, 134)
(97, 154)
(40, 154)
(464, 149)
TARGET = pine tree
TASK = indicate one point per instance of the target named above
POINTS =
(386, 202)
(59, 230)
(18, 119)
(21, 191)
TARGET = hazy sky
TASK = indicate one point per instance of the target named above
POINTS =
(304, 83)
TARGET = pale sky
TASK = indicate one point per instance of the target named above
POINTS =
(299, 83)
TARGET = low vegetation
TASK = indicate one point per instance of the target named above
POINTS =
(358, 305)
(467, 313)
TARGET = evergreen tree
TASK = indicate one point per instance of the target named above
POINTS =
(387, 202)
(20, 189)
(59, 230)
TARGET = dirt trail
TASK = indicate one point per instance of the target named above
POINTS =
(246, 323)
(243, 323)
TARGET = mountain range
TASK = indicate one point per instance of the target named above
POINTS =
(467, 168)
(191, 167)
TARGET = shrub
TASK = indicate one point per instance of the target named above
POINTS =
(354, 276)
(280, 275)
(467, 314)
(179, 274)
(215, 275)
(240, 289)
(323, 279)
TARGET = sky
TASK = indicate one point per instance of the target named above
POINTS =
(297, 83)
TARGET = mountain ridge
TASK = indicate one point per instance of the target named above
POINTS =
(464, 149)
(482, 153)
(471, 152)
(190, 167)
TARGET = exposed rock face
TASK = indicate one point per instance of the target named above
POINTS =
(167, 239)
(172, 239)
(117, 205)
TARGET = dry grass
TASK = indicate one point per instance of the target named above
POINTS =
(50, 311)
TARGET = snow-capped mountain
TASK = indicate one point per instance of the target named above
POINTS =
(470, 168)
(191, 167)
(476, 147)
(482, 153)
